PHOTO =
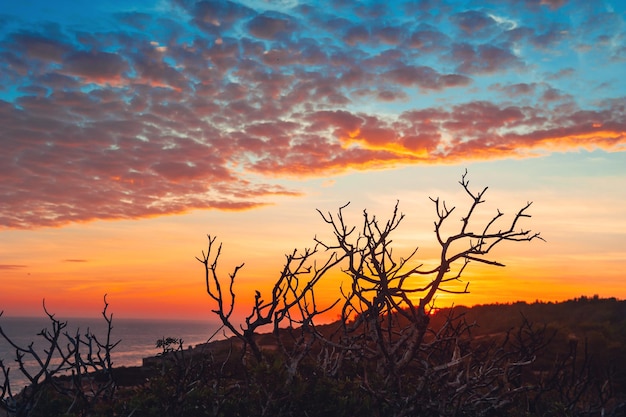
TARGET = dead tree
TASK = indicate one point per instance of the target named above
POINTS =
(290, 304)
(388, 301)
(385, 312)
(77, 366)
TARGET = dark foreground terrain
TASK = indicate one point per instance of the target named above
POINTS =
(539, 359)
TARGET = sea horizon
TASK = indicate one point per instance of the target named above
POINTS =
(137, 336)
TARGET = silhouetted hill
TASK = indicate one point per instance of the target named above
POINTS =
(520, 359)
(601, 323)
(597, 323)
(581, 317)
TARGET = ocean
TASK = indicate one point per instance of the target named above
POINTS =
(138, 338)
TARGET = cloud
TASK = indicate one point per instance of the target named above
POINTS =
(562, 73)
(484, 58)
(270, 27)
(388, 34)
(11, 267)
(474, 22)
(428, 39)
(551, 37)
(423, 76)
(356, 34)
(215, 13)
(551, 4)
(37, 46)
(206, 106)
(97, 67)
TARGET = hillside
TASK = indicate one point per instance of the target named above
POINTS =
(520, 359)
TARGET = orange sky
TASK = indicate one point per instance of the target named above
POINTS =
(148, 269)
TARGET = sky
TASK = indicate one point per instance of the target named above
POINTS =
(129, 131)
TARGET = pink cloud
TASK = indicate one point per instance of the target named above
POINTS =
(454, 80)
(40, 47)
(388, 95)
(268, 27)
(344, 121)
(135, 122)
(388, 34)
(484, 59)
(516, 90)
(97, 67)
(428, 40)
(212, 13)
(425, 77)
(406, 75)
(552, 4)
(356, 34)
(473, 22)
(549, 38)
(131, 167)
(153, 70)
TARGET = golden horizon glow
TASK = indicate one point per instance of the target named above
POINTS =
(148, 268)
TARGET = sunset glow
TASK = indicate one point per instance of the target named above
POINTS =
(131, 130)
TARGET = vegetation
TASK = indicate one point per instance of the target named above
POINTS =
(74, 371)
(390, 353)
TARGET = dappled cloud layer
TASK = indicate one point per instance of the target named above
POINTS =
(209, 105)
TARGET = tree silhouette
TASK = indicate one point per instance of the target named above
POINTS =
(383, 329)
(81, 357)
(391, 352)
